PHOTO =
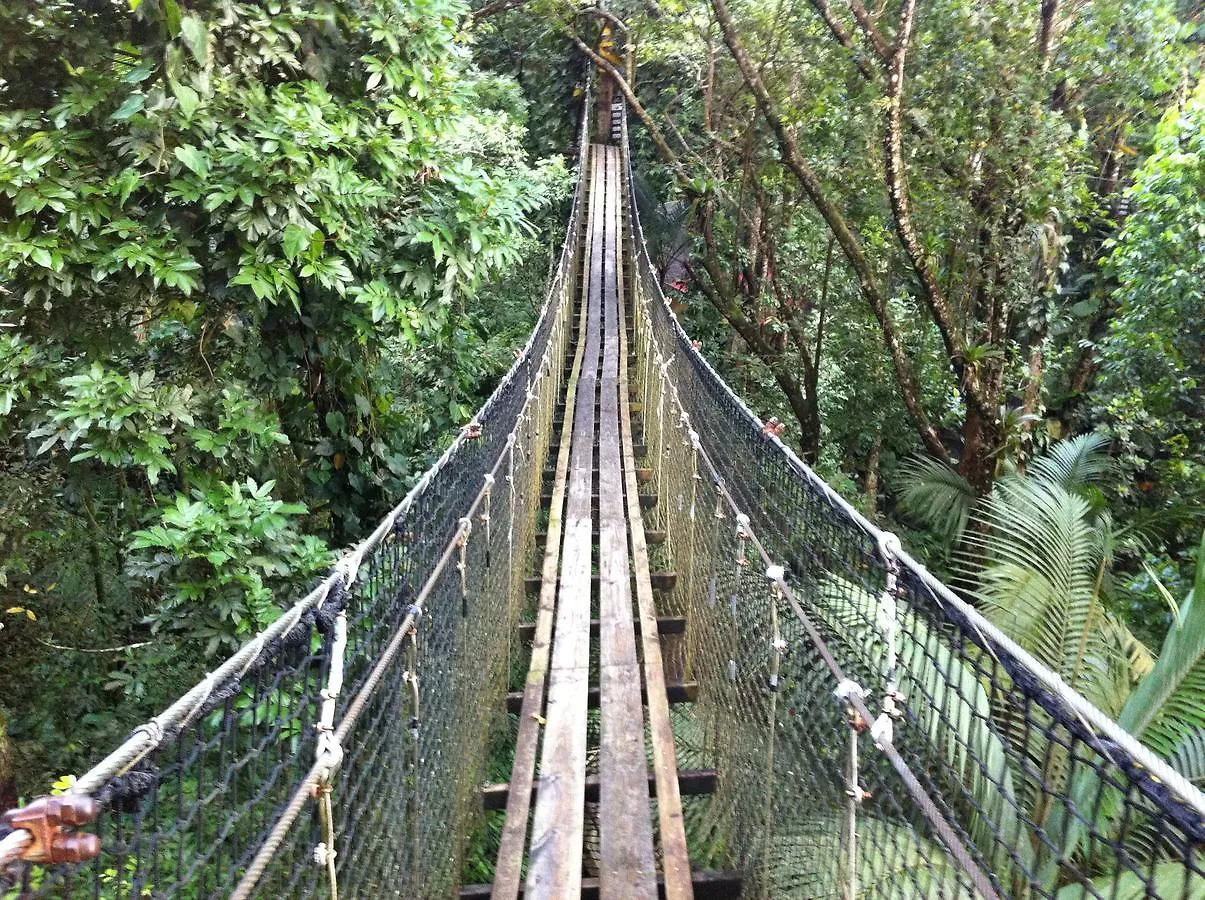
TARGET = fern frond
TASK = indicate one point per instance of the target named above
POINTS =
(936, 495)
(1074, 463)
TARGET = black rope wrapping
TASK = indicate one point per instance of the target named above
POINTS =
(124, 791)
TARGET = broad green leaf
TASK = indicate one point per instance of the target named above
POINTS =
(133, 104)
(194, 159)
(195, 34)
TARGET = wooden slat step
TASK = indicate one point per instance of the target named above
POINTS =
(661, 581)
(651, 537)
(643, 475)
(691, 782)
(647, 501)
(675, 692)
(665, 625)
(638, 449)
(707, 884)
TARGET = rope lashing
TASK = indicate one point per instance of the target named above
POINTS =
(695, 447)
(410, 676)
(462, 545)
(776, 575)
(887, 622)
(328, 753)
(484, 517)
(846, 692)
(510, 483)
(743, 535)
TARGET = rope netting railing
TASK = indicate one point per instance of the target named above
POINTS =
(341, 750)
(874, 735)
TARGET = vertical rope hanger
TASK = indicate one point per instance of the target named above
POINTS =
(778, 646)
(329, 754)
(466, 529)
(410, 678)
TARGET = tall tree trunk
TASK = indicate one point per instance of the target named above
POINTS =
(871, 484)
(8, 782)
(980, 439)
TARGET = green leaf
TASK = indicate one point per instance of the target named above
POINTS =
(195, 34)
(296, 240)
(188, 99)
(134, 103)
(194, 159)
(171, 17)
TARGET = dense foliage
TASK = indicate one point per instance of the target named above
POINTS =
(957, 248)
(257, 260)
(942, 235)
(260, 258)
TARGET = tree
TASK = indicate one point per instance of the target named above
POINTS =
(237, 242)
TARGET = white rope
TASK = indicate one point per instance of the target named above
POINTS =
(887, 622)
(847, 692)
(328, 753)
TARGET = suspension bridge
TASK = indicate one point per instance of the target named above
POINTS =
(699, 670)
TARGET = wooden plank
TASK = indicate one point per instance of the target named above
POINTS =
(555, 858)
(675, 858)
(627, 866)
(508, 870)
(675, 692)
(707, 885)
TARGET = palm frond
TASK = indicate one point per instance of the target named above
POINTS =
(1168, 706)
(1037, 561)
(1189, 757)
(1074, 463)
(936, 495)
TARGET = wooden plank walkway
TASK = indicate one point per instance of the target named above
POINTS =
(596, 548)
(626, 866)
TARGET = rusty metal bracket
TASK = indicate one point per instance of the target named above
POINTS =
(45, 820)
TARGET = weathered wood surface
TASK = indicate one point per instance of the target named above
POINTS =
(555, 859)
(675, 858)
(627, 866)
(508, 870)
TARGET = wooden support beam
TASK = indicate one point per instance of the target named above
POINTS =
(675, 692)
(650, 537)
(691, 783)
(665, 625)
(707, 885)
(661, 581)
(647, 501)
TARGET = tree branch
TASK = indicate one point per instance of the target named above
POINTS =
(848, 242)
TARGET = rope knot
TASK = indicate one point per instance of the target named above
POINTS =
(881, 730)
(848, 689)
(324, 855)
(153, 731)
